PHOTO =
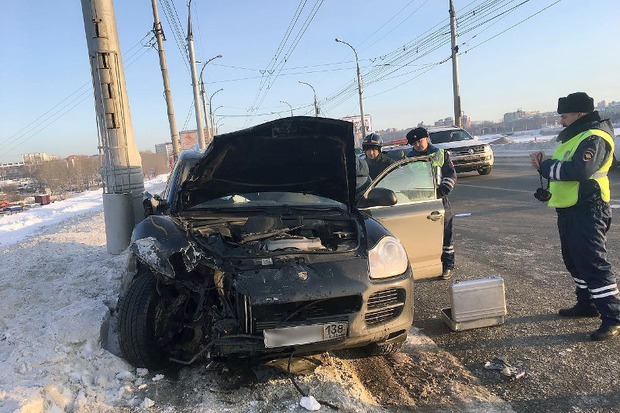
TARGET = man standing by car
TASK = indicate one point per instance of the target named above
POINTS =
(421, 145)
(580, 192)
(376, 161)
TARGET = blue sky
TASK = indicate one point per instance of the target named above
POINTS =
(46, 102)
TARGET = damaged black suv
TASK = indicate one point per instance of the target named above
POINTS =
(257, 248)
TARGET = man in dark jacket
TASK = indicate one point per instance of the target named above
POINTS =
(421, 145)
(580, 192)
(376, 161)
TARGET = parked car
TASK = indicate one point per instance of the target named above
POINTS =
(258, 247)
(467, 153)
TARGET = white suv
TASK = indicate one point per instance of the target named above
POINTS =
(467, 153)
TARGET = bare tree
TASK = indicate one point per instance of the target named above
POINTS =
(154, 164)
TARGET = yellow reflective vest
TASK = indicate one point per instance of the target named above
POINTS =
(566, 193)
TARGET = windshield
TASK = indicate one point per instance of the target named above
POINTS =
(260, 199)
(453, 135)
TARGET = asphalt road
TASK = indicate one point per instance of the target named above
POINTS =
(511, 234)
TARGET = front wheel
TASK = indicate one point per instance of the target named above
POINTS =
(484, 171)
(138, 312)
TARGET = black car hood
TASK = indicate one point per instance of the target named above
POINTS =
(297, 154)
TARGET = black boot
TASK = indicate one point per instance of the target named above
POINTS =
(447, 273)
(605, 332)
(579, 310)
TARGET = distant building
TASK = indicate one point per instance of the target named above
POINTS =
(167, 151)
(32, 158)
(449, 121)
(189, 138)
(12, 170)
(466, 122)
(357, 127)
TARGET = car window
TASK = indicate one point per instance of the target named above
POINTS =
(411, 182)
(177, 177)
(445, 136)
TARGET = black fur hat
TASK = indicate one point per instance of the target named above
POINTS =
(416, 134)
(576, 102)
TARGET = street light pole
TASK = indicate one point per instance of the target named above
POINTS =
(211, 109)
(359, 86)
(203, 94)
(213, 117)
(289, 105)
(316, 104)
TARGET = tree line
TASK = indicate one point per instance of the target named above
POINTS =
(81, 173)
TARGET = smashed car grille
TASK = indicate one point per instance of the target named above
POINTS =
(385, 305)
(304, 312)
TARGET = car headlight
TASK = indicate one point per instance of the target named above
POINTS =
(387, 259)
(487, 149)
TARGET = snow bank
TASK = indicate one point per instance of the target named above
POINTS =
(58, 287)
(16, 227)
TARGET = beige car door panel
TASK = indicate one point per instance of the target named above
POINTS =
(417, 218)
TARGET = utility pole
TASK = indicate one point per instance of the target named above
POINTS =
(316, 103)
(192, 64)
(359, 87)
(458, 119)
(159, 34)
(123, 184)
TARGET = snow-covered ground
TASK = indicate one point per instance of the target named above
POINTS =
(58, 285)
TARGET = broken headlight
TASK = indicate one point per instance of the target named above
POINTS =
(387, 259)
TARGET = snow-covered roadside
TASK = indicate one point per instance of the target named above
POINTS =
(16, 227)
(58, 284)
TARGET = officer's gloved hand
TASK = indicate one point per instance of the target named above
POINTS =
(441, 192)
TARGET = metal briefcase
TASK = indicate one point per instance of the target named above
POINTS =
(476, 303)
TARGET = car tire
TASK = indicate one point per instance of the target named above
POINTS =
(485, 171)
(136, 325)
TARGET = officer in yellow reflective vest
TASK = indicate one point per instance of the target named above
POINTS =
(420, 145)
(580, 193)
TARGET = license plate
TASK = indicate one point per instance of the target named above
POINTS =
(291, 336)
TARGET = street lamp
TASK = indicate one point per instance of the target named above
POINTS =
(202, 92)
(210, 109)
(359, 86)
(316, 105)
(213, 116)
(217, 124)
(289, 105)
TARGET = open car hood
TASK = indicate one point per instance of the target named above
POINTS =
(297, 154)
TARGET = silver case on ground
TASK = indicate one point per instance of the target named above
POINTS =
(476, 303)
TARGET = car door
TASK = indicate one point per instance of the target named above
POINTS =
(417, 218)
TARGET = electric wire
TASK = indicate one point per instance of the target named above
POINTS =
(59, 110)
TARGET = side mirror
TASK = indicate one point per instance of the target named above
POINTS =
(377, 197)
(152, 204)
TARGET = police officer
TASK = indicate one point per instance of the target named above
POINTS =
(580, 193)
(376, 161)
(421, 145)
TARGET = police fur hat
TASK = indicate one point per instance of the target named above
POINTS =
(575, 103)
(416, 134)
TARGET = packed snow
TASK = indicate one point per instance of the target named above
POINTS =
(58, 287)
